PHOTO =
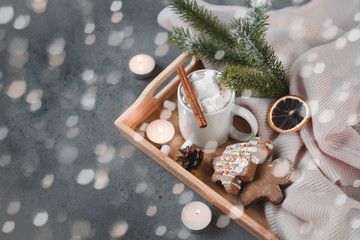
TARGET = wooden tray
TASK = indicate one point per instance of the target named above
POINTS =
(146, 109)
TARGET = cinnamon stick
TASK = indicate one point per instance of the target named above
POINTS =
(189, 92)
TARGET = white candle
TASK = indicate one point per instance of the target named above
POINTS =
(160, 131)
(196, 215)
(142, 65)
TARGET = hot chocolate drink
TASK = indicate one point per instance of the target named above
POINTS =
(211, 95)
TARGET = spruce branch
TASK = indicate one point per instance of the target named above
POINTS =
(256, 82)
(201, 19)
(205, 47)
(243, 43)
(250, 32)
(258, 15)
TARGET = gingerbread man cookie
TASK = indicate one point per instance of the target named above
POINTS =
(238, 163)
(268, 179)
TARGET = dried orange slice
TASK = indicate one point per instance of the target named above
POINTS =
(288, 114)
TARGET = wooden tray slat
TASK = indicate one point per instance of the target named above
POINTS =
(146, 109)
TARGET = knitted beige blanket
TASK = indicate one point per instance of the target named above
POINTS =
(319, 44)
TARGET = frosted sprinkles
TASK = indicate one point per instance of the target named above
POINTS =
(101, 178)
(326, 115)
(57, 46)
(219, 54)
(340, 199)
(183, 233)
(16, 89)
(178, 188)
(186, 197)
(117, 17)
(85, 176)
(340, 43)
(141, 187)
(222, 221)
(89, 76)
(21, 22)
(89, 28)
(80, 229)
(47, 181)
(151, 211)
(40, 218)
(306, 227)
(90, 39)
(126, 151)
(67, 154)
(6, 14)
(72, 120)
(13, 207)
(119, 229)
(162, 50)
(354, 35)
(3, 132)
(38, 6)
(355, 223)
(356, 183)
(161, 38)
(115, 6)
(160, 230)
(115, 37)
(165, 114)
(88, 102)
(107, 155)
(114, 77)
(8, 226)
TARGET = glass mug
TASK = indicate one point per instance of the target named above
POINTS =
(220, 123)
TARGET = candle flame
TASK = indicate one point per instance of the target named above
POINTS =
(197, 211)
(139, 59)
(161, 129)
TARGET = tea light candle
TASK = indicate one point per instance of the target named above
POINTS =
(142, 65)
(160, 131)
(196, 215)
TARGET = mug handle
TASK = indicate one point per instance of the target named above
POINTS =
(250, 118)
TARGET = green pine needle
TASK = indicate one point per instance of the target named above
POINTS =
(210, 50)
(252, 62)
(252, 82)
(201, 19)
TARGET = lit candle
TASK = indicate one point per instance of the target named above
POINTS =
(142, 65)
(160, 131)
(196, 215)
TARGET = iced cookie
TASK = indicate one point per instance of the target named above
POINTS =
(238, 163)
(266, 184)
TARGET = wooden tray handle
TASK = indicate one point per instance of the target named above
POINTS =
(146, 102)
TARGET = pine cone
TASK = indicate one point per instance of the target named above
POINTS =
(191, 157)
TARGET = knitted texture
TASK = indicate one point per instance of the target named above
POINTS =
(319, 45)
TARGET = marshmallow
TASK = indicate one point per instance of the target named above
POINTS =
(165, 149)
(207, 106)
(210, 74)
(226, 95)
(195, 76)
(143, 127)
(214, 103)
(165, 114)
(169, 105)
(205, 88)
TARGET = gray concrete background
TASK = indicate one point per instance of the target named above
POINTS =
(65, 171)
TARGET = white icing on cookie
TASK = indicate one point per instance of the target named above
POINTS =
(269, 145)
